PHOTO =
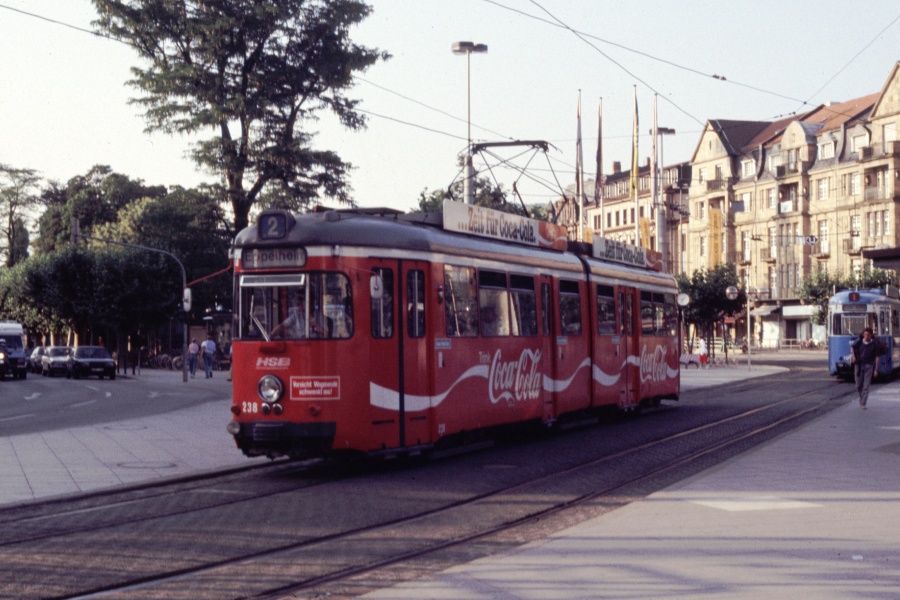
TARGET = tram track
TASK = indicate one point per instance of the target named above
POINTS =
(329, 561)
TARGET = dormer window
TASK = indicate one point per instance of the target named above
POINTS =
(826, 149)
(747, 168)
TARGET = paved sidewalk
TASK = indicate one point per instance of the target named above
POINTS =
(813, 514)
(81, 459)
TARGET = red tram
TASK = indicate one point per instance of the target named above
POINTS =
(381, 332)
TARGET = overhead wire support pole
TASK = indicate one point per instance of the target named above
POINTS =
(184, 365)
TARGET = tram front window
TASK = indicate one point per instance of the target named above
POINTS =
(295, 307)
(849, 324)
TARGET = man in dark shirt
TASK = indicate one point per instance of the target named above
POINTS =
(864, 356)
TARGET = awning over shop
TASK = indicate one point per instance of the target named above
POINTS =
(765, 311)
(802, 311)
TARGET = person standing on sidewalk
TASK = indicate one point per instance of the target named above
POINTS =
(209, 351)
(864, 354)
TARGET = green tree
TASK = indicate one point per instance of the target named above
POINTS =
(815, 290)
(94, 198)
(18, 197)
(253, 74)
(191, 225)
(709, 303)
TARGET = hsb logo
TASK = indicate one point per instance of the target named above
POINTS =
(273, 362)
(517, 379)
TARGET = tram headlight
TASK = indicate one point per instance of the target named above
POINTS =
(270, 389)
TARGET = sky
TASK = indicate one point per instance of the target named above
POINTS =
(64, 104)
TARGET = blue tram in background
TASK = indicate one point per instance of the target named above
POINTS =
(849, 312)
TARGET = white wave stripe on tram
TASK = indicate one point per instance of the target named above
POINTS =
(604, 379)
(388, 399)
(553, 385)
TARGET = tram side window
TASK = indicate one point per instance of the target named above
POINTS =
(415, 303)
(569, 308)
(670, 316)
(545, 308)
(383, 307)
(460, 301)
(493, 303)
(524, 305)
(625, 314)
(895, 322)
(606, 310)
(648, 314)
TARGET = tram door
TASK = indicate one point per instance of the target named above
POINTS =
(398, 360)
(629, 341)
(415, 378)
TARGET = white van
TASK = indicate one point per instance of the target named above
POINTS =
(12, 350)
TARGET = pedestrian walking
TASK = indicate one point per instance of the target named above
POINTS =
(864, 353)
(193, 352)
(209, 352)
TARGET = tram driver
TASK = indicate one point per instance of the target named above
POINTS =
(294, 326)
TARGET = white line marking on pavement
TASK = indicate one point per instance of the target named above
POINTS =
(34, 396)
(17, 417)
(82, 404)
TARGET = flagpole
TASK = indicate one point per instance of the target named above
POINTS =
(598, 182)
(634, 174)
(579, 177)
(654, 176)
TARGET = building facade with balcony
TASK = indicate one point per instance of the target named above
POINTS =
(784, 199)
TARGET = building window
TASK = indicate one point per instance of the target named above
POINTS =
(826, 150)
(747, 168)
(854, 184)
(822, 189)
(702, 246)
(770, 198)
(857, 142)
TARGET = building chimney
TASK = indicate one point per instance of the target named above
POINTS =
(617, 167)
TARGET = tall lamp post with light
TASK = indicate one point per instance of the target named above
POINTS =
(468, 48)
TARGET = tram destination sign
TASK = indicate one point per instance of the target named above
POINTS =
(273, 258)
(628, 254)
(497, 225)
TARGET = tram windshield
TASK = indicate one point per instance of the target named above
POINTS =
(852, 324)
(296, 306)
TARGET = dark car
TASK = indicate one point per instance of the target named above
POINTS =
(54, 360)
(85, 361)
(34, 360)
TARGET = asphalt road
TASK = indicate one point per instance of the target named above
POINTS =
(39, 403)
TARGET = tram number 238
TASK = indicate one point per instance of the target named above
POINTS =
(250, 407)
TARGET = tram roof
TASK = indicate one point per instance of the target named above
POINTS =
(423, 232)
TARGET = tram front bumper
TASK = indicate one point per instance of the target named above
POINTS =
(281, 438)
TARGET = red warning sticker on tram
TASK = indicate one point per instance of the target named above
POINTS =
(315, 388)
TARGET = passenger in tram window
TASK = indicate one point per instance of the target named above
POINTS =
(294, 326)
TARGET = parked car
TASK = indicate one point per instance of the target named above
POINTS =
(84, 361)
(54, 360)
(34, 359)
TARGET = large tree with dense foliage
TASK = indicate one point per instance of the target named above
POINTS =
(254, 75)
(94, 198)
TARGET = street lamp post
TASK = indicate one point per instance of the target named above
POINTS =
(468, 48)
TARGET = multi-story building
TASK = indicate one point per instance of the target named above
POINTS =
(778, 199)
(784, 199)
